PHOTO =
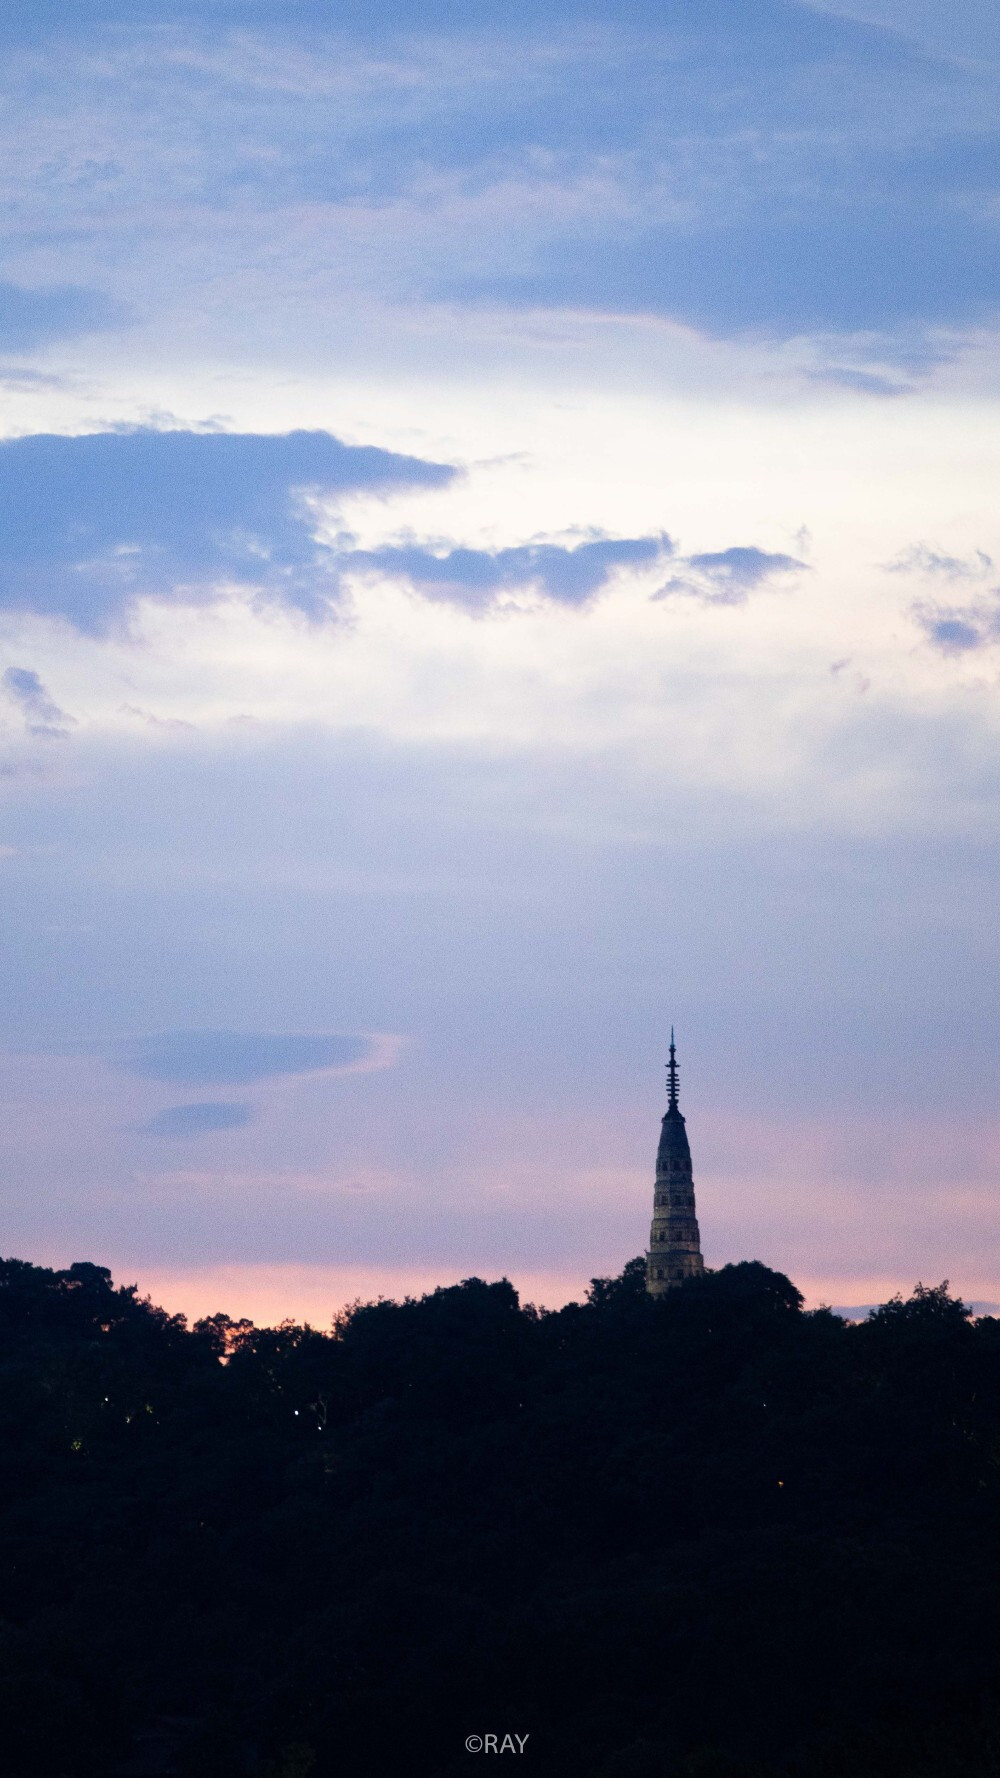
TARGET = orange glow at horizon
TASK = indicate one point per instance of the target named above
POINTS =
(270, 1293)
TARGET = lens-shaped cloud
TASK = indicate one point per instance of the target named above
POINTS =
(198, 1120)
(232, 1058)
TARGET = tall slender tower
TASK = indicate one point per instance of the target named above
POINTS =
(674, 1242)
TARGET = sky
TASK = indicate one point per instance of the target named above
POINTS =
(499, 556)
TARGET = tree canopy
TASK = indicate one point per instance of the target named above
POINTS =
(713, 1536)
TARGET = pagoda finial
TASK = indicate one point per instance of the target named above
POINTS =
(672, 1074)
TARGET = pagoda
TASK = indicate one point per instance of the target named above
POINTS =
(674, 1242)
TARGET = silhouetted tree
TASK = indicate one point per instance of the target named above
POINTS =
(710, 1536)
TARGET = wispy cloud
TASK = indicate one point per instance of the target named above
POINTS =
(729, 576)
(476, 578)
(864, 382)
(952, 629)
(960, 630)
(936, 564)
(42, 715)
(750, 168)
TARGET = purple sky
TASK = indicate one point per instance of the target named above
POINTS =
(497, 556)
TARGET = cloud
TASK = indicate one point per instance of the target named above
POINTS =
(729, 576)
(475, 578)
(924, 559)
(30, 318)
(42, 716)
(198, 1120)
(89, 523)
(739, 168)
(864, 265)
(20, 379)
(959, 630)
(972, 30)
(232, 1058)
(863, 382)
(952, 629)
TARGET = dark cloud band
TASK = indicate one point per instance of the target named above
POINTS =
(89, 523)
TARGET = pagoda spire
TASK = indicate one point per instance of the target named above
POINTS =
(672, 1074)
(674, 1241)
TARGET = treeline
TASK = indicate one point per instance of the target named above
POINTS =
(709, 1537)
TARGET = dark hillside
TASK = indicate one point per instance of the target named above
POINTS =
(709, 1537)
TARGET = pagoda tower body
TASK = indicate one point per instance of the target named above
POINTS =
(674, 1242)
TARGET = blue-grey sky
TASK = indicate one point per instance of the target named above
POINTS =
(498, 554)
